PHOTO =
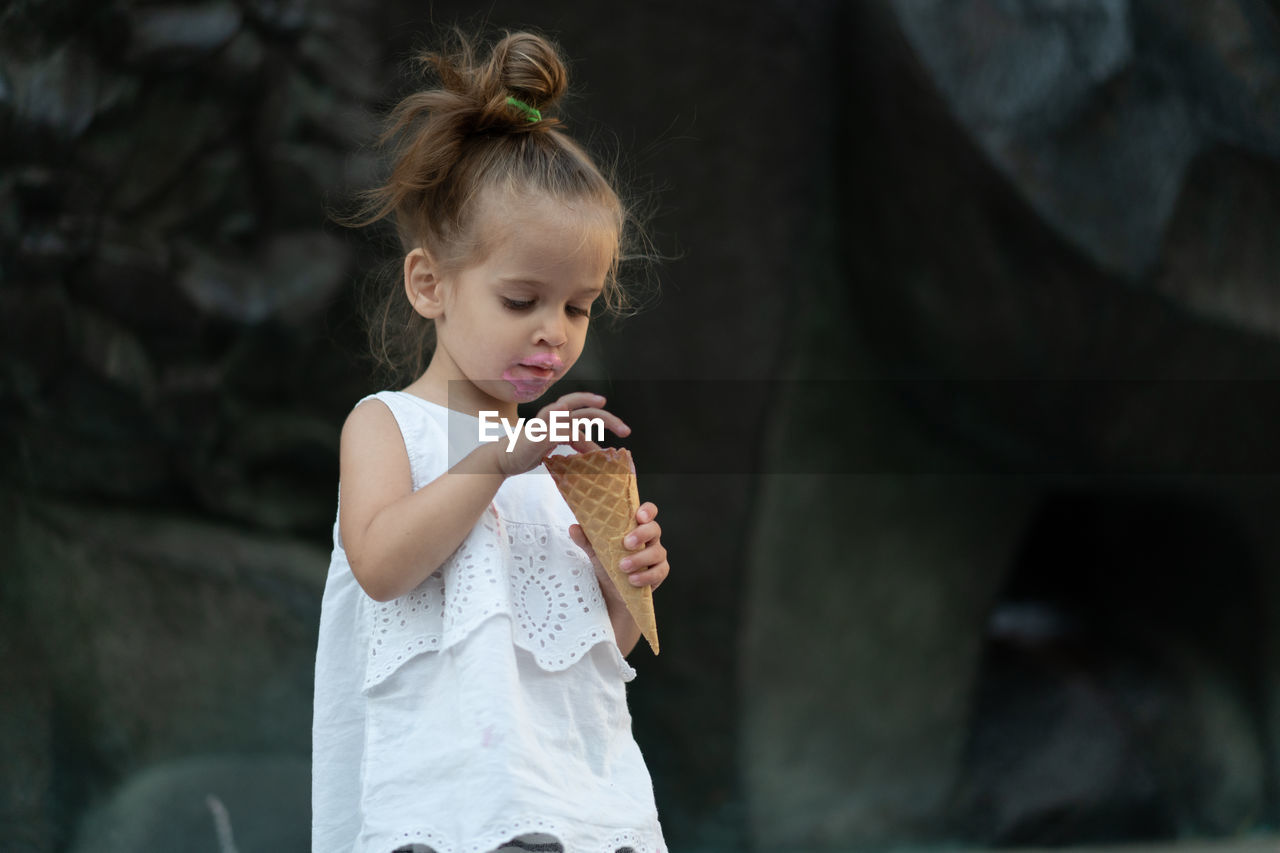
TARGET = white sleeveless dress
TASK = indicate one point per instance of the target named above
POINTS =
(489, 703)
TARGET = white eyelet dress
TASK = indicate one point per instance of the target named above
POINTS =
(488, 704)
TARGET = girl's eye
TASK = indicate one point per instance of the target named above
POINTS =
(575, 311)
(517, 304)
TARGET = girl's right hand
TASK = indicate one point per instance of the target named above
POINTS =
(581, 406)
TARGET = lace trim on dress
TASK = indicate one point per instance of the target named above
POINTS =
(550, 593)
(570, 840)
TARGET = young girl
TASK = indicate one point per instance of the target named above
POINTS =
(470, 672)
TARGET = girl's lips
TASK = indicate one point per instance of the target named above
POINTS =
(541, 372)
(529, 381)
(531, 376)
(550, 362)
(528, 372)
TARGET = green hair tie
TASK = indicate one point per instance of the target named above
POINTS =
(530, 113)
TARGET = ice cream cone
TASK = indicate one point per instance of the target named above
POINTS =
(600, 489)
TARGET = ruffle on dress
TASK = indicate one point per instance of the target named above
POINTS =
(551, 597)
(554, 836)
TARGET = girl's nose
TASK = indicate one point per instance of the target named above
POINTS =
(551, 329)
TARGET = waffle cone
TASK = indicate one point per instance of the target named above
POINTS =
(600, 489)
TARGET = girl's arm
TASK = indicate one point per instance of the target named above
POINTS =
(625, 629)
(395, 537)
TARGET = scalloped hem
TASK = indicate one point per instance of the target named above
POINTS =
(535, 843)
(528, 836)
(457, 634)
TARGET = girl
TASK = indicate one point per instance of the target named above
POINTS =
(470, 672)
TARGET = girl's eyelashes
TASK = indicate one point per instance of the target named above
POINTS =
(525, 304)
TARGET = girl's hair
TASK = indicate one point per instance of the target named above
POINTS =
(482, 128)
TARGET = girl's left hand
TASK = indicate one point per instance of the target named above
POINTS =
(647, 564)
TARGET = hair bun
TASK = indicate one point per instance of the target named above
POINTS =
(529, 67)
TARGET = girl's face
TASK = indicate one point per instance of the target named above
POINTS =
(512, 324)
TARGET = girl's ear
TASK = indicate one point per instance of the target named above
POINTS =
(422, 284)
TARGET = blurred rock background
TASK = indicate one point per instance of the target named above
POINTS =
(986, 552)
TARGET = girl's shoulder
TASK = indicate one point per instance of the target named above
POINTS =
(424, 427)
(409, 410)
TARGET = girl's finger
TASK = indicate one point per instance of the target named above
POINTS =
(585, 446)
(648, 511)
(652, 577)
(575, 400)
(576, 403)
(643, 560)
(611, 422)
(580, 539)
(642, 535)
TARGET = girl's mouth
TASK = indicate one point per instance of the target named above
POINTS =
(531, 376)
(537, 371)
(546, 361)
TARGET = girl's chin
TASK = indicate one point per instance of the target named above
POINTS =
(528, 390)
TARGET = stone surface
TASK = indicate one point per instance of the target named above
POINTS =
(296, 274)
(1114, 718)
(863, 634)
(215, 804)
(181, 33)
(853, 193)
(143, 636)
(1102, 96)
(994, 258)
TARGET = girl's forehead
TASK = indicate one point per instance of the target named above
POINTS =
(538, 229)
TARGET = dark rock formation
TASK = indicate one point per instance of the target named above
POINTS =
(1121, 690)
(872, 212)
(213, 804)
(134, 637)
(1058, 278)
(170, 397)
